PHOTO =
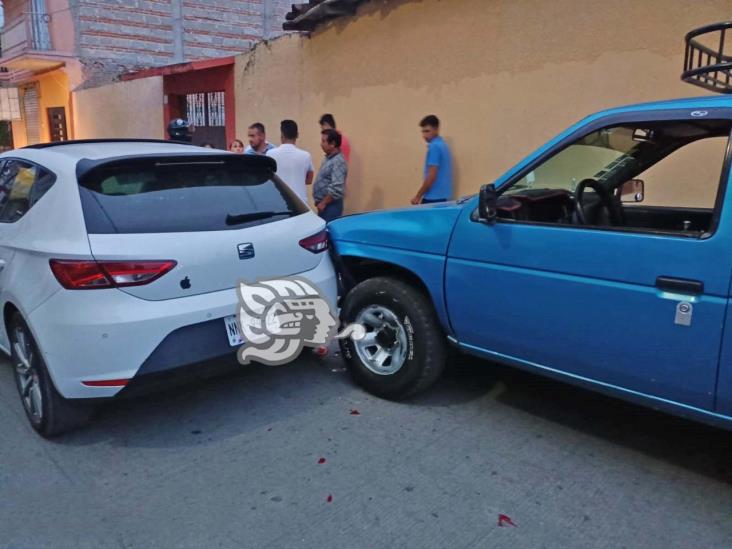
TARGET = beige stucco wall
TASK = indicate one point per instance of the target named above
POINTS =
(123, 109)
(503, 75)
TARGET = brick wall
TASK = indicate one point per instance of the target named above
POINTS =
(279, 9)
(117, 36)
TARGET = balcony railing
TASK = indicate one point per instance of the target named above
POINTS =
(27, 33)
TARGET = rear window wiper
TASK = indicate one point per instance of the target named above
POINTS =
(236, 219)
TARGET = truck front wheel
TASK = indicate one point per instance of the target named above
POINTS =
(403, 351)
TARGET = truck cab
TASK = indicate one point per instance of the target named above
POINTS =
(603, 259)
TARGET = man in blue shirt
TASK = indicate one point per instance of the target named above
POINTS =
(437, 184)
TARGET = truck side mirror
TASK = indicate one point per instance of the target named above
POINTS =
(632, 191)
(487, 204)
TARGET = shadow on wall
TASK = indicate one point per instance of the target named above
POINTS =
(375, 201)
(383, 8)
(455, 166)
(373, 196)
(409, 38)
(367, 196)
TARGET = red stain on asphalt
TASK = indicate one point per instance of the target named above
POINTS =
(505, 520)
(329, 499)
(321, 461)
(355, 412)
(321, 351)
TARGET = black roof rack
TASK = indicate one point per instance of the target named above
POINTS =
(111, 140)
(707, 65)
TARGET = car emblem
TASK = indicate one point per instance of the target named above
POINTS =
(246, 250)
(699, 114)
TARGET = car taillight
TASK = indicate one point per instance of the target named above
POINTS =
(316, 243)
(91, 275)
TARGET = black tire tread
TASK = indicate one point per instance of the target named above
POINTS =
(424, 314)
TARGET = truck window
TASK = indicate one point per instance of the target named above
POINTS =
(674, 167)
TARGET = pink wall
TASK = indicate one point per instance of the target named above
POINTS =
(61, 26)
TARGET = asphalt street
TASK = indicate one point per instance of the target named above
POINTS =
(296, 456)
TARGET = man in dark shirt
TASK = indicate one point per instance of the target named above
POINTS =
(330, 184)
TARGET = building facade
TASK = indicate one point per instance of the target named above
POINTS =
(53, 47)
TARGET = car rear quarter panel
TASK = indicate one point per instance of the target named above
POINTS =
(53, 227)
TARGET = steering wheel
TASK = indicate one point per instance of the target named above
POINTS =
(606, 201)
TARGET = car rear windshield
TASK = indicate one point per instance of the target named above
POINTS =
(163, 196)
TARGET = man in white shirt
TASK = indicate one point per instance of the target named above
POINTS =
(294, 165)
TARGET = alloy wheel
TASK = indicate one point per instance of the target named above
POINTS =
(26, 375)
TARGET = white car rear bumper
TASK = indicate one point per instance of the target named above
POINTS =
(98, 335)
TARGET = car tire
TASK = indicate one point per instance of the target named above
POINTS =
(410, 334)
(49, 413)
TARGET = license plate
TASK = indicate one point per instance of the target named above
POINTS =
(232, 331)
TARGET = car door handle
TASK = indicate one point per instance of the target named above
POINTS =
(680, 285)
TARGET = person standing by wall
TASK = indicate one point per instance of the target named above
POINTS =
(258, 143)
(437, 182)
(327, 122)
(237, 146)
(294, 165)
(331, 181)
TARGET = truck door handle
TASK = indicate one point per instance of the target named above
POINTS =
(680, 285)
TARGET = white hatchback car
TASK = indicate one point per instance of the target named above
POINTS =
(120, 258)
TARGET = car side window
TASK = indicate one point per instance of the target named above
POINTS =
(688, 178)
(6, 184)
(22, 184)
(659, 176)
(44, 181)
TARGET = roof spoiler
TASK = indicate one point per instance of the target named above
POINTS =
(88, 165)
(111, 140)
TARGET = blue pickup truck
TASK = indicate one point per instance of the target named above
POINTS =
(603, 259)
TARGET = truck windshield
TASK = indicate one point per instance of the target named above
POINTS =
(595, 156)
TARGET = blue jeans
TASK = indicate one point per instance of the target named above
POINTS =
(332, 211)
(433, 200)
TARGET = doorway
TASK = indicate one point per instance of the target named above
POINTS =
(206, 111)
(57, 123)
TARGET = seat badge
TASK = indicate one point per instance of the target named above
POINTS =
(684, 311)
